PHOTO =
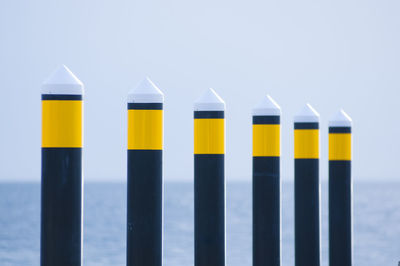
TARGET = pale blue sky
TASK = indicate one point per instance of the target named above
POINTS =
(333, 54)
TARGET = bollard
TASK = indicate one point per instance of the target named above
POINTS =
(340, 190)
(145, 182)
(209, 180)
(307, 188)
(266, 184)
(61, 187)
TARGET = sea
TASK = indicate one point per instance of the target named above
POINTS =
(376, 224)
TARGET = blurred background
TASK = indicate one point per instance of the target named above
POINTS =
(332, 54)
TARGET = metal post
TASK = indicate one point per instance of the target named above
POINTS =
(209, 180)
(266, 184)
(307, 188)
(61, 202)
(145, 182)
(340, 190)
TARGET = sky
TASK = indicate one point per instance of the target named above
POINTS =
(331, 54)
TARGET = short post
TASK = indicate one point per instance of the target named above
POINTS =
(61, 195)
(307, 187)
(266, 184)
(209, 180)
(340, 190)
(145, 182)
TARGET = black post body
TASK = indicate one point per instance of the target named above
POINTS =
(144, 218)
(307, 228)
(61, 207)
(209, 209)
(266, 211)
(340, 238)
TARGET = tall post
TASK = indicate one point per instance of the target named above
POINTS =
(209, 180)
(266, 184)
(145, 182)
(340, 190)
(307, 187)
(61, 188)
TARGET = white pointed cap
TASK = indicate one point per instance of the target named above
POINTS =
(267, 106)
(340, 119)
(62, 81)
(307, 115)
(209, 101)
(146, 92)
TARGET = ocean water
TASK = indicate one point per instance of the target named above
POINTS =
(376, 224)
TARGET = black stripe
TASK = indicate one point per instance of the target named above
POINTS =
(145, 106)
(339, 129)
(266, 211)
(209, 210)
(266, 120)
(209, 114)
(298, 125)
(144, 208)
(61, 207)
(307, 212)
(340, 220)
(74, 97)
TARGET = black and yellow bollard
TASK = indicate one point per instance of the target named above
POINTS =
(209, 180)
(61, 195)
(340, 191)
(266, 184)
(307, 188)
(145, 181)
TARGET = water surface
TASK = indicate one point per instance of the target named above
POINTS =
(376, 224)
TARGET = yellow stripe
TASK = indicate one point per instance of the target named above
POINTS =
(145, 129)
(266, 140)
(61, 124)
(306, 144)
(209, 136)
(340, 146)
